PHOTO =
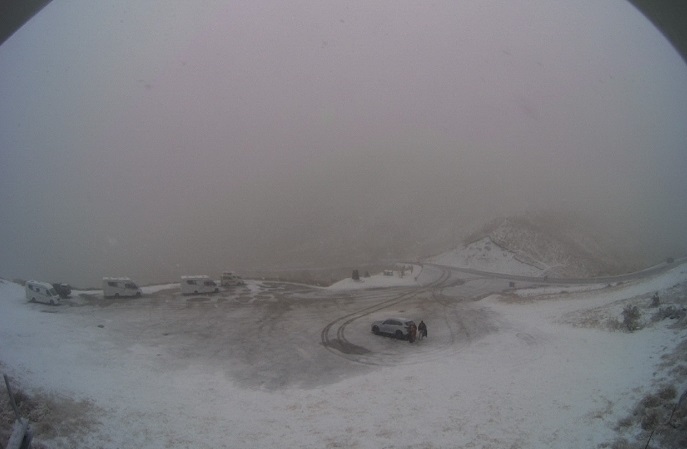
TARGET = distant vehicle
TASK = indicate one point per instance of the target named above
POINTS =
(64, 290)
(397, 327)
(388, 272)
(231, 279)
(116, 287)
(41, 292)
(198, 284)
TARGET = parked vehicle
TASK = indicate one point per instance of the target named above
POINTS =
(116, 287)
(231, 279)
(198, 284)
(41, 292)
(64, 290)
(397, 327)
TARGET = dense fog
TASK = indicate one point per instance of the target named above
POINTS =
(158, 138)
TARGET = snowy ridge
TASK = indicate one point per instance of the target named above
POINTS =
(553, 253)
(486, 255)
(536, 245)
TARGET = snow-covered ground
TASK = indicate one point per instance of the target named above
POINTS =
(396, 278)
(541, 376)
(486, 255)
(146, 290)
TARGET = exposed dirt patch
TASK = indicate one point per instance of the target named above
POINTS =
(60, 421)
(658, 420)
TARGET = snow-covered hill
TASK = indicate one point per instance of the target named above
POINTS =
(486, 255)
(538, 245)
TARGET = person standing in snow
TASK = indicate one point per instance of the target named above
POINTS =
(422, 327)
(412, 333)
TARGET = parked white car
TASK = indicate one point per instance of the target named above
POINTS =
(396, 327)
(41, 292)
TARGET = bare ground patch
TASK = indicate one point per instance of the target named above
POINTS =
(658, 420)
(57, 421)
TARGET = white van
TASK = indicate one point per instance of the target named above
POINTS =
(198, 284)
(41, 292)
(120, 287)
(230, 279)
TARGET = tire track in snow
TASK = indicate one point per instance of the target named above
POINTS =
(342, 347)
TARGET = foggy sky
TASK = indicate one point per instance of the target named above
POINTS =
(160, 138)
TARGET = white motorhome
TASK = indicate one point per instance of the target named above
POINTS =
(198, 284)
(230, 279)
(116, 287)
(41, 292)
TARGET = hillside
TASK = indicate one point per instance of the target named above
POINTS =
(484, 254)
(541, 244)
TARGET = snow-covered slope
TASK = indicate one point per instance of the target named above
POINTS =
(537, 245)
(486, 255)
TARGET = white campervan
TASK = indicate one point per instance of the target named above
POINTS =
(198, 284)
(41, 292)
(120, 287)
(229, 279)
